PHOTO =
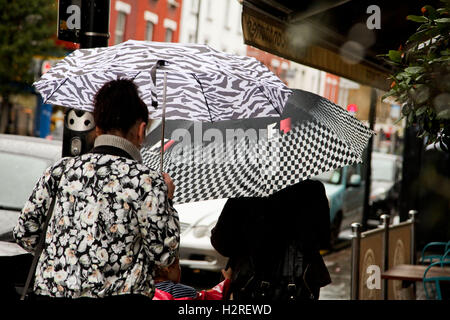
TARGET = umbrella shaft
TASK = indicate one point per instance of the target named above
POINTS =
(163, 122)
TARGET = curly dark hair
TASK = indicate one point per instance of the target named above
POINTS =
(117, 106)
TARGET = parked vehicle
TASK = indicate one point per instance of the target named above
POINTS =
(385, 186)
(345, 192)
(196, 220)
(22, 161)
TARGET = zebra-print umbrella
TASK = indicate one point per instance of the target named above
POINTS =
(259, 156)
(203, 84)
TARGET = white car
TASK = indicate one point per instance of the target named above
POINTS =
(385, 186)
(196, 220)
(22, 161)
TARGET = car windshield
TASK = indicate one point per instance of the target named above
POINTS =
(19, 174)
(383, 169)
(332, 177)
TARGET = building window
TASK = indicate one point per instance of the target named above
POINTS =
(149, 31)
(123, 9)
(170, 26)
(173, 3)
(169, 35)
(120, 27)
(152, 20)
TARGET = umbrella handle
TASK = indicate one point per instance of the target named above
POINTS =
(163, 122)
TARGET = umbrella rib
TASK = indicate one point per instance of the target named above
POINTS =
(259, 87)
(206, 102)
(55, 90)
(136, 75)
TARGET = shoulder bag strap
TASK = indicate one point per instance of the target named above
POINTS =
(38, 250)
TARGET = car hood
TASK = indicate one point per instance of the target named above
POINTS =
(202, 212)
(379, 187)
(331, 189)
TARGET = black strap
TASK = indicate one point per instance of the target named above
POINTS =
(38, 250)
(293, 268)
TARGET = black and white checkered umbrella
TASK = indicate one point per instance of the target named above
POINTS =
(257, 157)
(203, 84)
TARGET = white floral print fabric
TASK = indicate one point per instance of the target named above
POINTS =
(112, 223)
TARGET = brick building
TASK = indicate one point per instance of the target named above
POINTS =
(152, 20)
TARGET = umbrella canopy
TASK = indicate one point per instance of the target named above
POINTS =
(258, 157)
(203, 84)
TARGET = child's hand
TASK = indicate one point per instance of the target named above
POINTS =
(227, 273)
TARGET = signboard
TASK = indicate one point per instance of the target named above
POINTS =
(69, 20)
(371, 254)
(276, 37)
(399, 253)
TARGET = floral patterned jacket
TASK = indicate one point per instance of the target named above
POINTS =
(112, 223)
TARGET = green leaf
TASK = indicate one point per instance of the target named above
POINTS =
(417, 18)
(414, 70)
(442, 20)
(395, 55)
(419, 36)
(421, 110)
(388, 94)
(410, 118)
(444, 114)
(431, 12)
(401, 76)
(445, 52)
(441, 59)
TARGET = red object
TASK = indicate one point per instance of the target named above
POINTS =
(46, 66)
(216, 293)
(285, 125)
(168, 144)
(135, 24)
(352, 108)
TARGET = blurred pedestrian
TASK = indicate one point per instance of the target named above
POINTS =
(168, 286)
(274, 243)
(113, 221)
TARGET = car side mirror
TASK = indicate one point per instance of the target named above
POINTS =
(355, 180)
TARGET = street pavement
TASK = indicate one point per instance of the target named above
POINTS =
(338, 263)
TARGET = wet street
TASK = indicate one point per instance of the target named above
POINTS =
(338, 263)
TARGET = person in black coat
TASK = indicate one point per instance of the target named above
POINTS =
(262, 228)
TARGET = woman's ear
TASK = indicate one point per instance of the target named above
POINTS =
(141, 132)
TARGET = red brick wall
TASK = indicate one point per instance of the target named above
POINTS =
(136, 24)
(266, 58)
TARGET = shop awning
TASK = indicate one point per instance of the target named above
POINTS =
(342, 37)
